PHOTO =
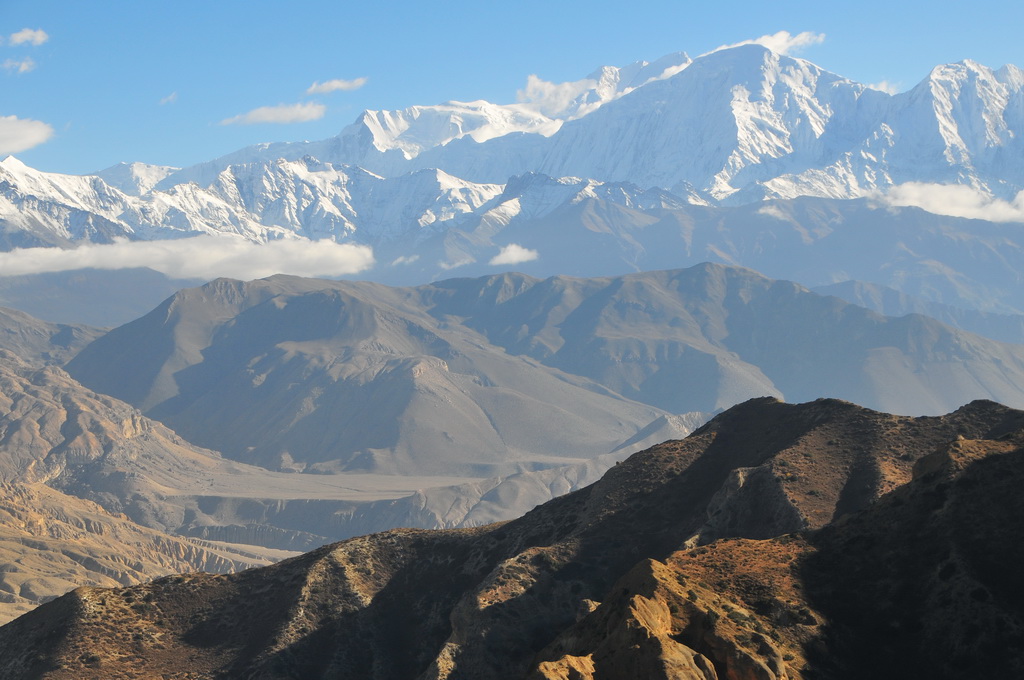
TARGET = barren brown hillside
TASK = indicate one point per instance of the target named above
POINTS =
(668, 542)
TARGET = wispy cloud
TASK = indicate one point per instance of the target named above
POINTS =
(454, 264)
(885, 86)
(33, 36)
(782, 42)
(21, 134)
(955, 200)
(19, 65)
(204, 257)
(281, 114)
(771, 210)
(335, 85)
(552, 99)
(169, 99)
(514, 253)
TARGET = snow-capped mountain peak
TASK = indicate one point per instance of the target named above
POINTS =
(135, 179)
(734, 126)
(417, 128)
(573, 100)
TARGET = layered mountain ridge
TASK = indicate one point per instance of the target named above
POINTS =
(342, 408)
(497, 393)
(295, 373)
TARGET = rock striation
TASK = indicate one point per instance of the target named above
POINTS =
(52, 543)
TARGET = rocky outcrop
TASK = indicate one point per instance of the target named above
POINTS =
(51, 543)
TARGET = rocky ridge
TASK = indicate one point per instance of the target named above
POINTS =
(40, 343)
(52, 543)
(661, 569)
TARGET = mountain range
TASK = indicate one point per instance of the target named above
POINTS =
(452, 404)
(735, 125)
(310, 374)
(94, 493)
(742, 156)
(778, 541)
(689, 234)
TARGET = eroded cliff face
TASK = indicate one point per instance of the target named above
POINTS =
(663, 620)
(51, 543)
(62, 447)
(624, 578)
(920, 584)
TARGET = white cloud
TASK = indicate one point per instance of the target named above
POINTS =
(461, 262)
(782, 42)
(19, 65)
(169, 99)
(21, 134)
(405, 259)
(335, 85)
(514, 254)
(672, 70)
(771, 210)
(205, 257)
(552, 99)
(885, 86)
(282, 113)
(956, 200)
(28, 35)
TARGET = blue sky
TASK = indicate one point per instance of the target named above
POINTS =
(152, 80)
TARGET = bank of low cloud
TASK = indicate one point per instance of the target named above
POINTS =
(955, 200)
(201, 257)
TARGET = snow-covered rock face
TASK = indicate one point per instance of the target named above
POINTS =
(55, 209)
(423, 127)
(51, 209)
(135, 178)
(317, 200)
(259, 201)
(735, 126)
(745, 124)
(569, 101)
(964, 124)
(727, 120)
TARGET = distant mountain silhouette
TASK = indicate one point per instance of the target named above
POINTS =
(502, 374)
